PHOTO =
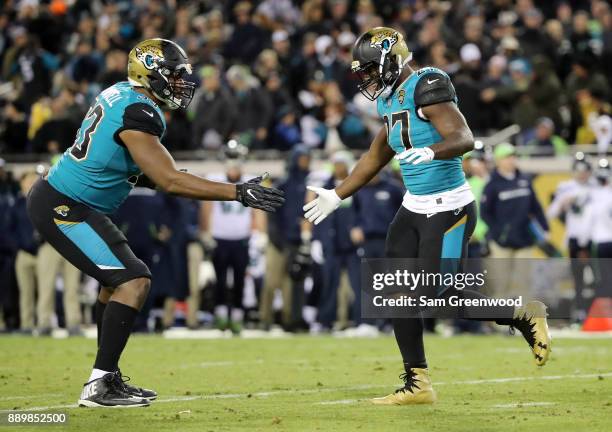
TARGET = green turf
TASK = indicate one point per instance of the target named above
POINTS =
(318, 384)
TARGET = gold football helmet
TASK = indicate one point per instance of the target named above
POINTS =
(160, 65)
(379, 55)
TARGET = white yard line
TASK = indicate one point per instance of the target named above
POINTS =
(333, 389)
(524, 404)
(339, 402)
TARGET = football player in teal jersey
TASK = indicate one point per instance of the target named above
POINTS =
(425, 131)
(119, 140)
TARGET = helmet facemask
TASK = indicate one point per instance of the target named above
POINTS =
(169, 86)
(379, 79)
(371, 85)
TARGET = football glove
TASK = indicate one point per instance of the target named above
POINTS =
(253, 194)
(416, 156)
(325, 203)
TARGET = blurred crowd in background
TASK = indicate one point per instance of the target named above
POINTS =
(275, 73)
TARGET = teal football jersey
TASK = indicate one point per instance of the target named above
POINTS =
(406, 128)
(98, 169)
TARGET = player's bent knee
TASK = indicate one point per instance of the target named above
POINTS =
(141, 287)
(133, 292)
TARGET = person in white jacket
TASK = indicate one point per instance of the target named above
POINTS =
(598, 220)
(569, 203)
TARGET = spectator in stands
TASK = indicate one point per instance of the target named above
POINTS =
(276, 92)
(467, 85)
(277, 13)
(247, 39)
(255, 110)
(494, 110)
(213, 110)
(114, 70)
(25, 66)
(582, 82)
(473, 33)
(57, 133)
(347, 80)
(86, 63)
(304, 64)
(14, 137)
(546, 142)
(286, 132)
(532, 39)
(516, 95)
(282, 47)
(266, 64)
(561, 56)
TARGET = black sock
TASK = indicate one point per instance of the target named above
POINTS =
(99, 313)
(116, 327)
(409, 337)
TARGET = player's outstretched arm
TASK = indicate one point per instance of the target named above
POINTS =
(159, 166)
(367, 167)
(370, 163)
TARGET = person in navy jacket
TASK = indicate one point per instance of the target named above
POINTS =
(509, 204)
(516, 223)
(374, 208)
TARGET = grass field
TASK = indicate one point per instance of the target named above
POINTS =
(484, 383)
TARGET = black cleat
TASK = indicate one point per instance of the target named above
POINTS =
(135, 391)
(109, 392)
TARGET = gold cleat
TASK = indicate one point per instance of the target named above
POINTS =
(530, 320)
(417, 390)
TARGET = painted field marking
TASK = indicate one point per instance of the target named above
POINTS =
(332, 389)
(524, 404)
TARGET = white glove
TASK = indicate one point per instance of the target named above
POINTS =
(320, 207)
(416, 155)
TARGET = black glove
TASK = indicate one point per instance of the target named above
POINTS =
(253, 194)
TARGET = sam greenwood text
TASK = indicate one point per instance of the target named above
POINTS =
(454, 301)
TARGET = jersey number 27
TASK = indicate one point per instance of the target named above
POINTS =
(79, 149)
(404, 119)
